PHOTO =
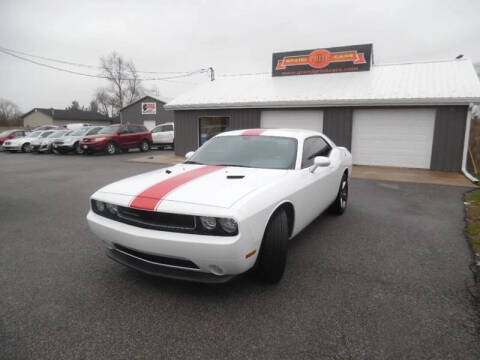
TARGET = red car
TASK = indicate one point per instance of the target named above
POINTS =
(11, 134)
(118, 137)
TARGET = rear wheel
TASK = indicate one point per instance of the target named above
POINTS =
(339, 206)
(273, 252)
(144, 146)
(111, 148)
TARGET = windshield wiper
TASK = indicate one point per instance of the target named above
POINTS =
(234, 165)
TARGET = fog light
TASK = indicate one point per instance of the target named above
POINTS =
(113, 209)
(100, 205)
(216, 270)
(208, 222)
(228, 225)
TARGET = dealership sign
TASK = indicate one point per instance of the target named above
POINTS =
(149, 108)
(320, 61)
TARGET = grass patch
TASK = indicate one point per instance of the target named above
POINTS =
(472, 206)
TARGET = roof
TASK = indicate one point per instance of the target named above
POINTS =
(282, 132)
(425, 83)
(141, 99)
(57, 114)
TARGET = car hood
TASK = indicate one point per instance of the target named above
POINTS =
(209, 185)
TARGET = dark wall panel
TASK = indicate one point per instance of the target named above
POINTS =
(186, 125)
(448, 138)
(337, 125)
(133, 114)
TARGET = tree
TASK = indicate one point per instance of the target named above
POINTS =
(93, 106)
(9, 113)
(125, 86)
(74, 106)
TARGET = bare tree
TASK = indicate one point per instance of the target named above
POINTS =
(104, 101)
(9, 113)
(125, 85)
(75, 105)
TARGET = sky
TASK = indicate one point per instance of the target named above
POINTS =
(231, 36)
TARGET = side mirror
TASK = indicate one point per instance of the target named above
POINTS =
(320, 161)
(189, 154)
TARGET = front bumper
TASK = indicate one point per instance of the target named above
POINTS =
(11, 147)
(93, 146)
(64, 147)
(217, 258)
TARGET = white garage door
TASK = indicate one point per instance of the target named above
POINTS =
(149, 124)
(393, 137)
(292, 119)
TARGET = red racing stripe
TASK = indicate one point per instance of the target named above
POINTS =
(253, 132)
(150, 198)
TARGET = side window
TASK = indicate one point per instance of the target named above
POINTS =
(124, 130)
(168, 128)
(94, 131)
(132, 128)
(312, 147)
(158, 129)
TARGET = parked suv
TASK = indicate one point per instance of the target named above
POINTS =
(114, 137)
(72, 141)
(163, 135)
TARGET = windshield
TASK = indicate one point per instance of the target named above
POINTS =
(270, 152)
(110, 129)
(57, 134)
(80, 132)
(35, 134)
(45, 134)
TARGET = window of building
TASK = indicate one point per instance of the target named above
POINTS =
(211, 126)
(312, 147)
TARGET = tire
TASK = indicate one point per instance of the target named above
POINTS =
(26, 148)
(111, 148)
(173, 145)
(273, 252)
(144, 146)
(78, 149)
(339, 206)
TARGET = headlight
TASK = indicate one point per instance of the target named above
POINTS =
(99, 205)
(208, 222)
(99, 139)
(228, 225)
(113, 209)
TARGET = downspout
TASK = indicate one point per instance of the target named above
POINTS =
(465, 146)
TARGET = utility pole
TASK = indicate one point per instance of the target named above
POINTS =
(212, 73)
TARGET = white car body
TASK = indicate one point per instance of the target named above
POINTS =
(248, 195)
(164, 134)
(47, 143)
(28, 141)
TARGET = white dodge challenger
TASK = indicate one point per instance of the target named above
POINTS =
(232, 206)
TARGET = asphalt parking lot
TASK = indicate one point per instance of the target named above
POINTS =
(384, 281)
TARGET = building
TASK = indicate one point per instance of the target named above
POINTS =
(147, 111)
(403, 115)
(38, 117)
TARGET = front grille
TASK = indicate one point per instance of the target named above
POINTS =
(156, 220)
(58, 142)
(157, 259)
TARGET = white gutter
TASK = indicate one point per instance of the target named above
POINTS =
(465, 146)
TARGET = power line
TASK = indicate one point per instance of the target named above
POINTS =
(200, 71)
(84, 65)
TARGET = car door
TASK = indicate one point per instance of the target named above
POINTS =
(158, 134)
(169, 134)
(319, 188)
(124, 137)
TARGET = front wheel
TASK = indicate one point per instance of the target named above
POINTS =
(78, 149)
(111, 149)
(273, 252)
(144, 146)
(26, 148)
(339, 206)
